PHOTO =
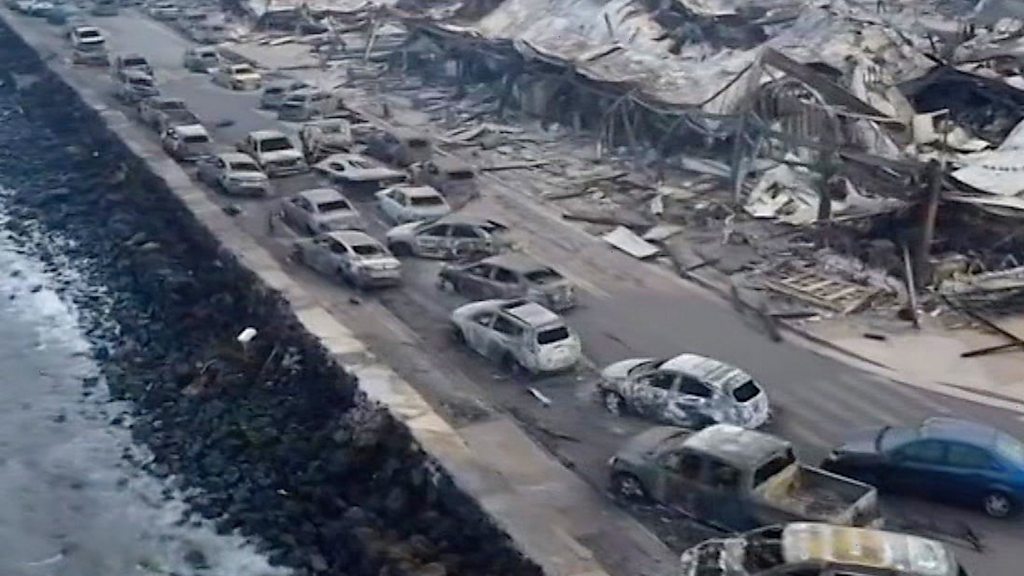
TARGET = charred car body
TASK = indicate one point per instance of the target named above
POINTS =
(448, 238)
(688, 390)
(813, 549)
(510, 276)
(352, 256)
(737, 479)
(520, 334)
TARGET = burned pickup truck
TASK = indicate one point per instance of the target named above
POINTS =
(813, 549)
(737, 479)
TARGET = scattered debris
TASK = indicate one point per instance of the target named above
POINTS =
(626, 240)
(824, 292)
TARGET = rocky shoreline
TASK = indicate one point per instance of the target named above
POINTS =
(274, 441)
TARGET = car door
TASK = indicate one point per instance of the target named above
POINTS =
(318, 255)
(433, 240)
(679, 474)
(505, 337)
(472, 283)
(651, 395)
(505, 283)
(465, 240)
(693, 397)
(971, 472)
(477, 331)
(340, 259)
(918, 468)
(392, 205)
(294, 212)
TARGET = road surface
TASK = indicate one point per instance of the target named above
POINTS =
(628, 308)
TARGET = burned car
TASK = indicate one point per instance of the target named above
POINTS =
(401, 204)
(688, 390)
(450, 176)
(521, 335)
(322, 138)
(358, 170)
(737, 479)
(274, 152)
(400, 146)
(451, 237)
(352, 256)
(234, 173)
(320, 210)
(510, 276)
(815, 549)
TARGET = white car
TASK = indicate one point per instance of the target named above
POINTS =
(87, 38)
(688, 390)
(235, 174)
(273, 95)
(187, 143)
(237, 77)
(320, 210)
(401, 204)
(202, 59)
(358, 169)
(274, 152)
(352, 256)
(322, 138)
(165, 11)
(520, 334)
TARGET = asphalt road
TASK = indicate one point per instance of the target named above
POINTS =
(628, 308)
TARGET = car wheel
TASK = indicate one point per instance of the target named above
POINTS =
(629, 487)
(613, 402)
(400, 249)
(998, 504)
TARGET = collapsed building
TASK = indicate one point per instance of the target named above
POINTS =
(860, 146)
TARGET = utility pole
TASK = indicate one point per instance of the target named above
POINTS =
(933, 181)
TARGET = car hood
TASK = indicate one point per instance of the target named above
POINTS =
(403, 231)
(280, 155)
(640, 447)
(861, 443)
(620, 370)
(369, 174)
(247, 177)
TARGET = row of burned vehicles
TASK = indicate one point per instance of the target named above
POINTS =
(711, 463)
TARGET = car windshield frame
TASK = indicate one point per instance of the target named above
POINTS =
(337, 205)
(137, 62)
(893, 438)
(553, 334)
(426, 201)
(239, 69)
(543, 275)
(243, 166)
(280, 143)
(367, 249)
(196, 139)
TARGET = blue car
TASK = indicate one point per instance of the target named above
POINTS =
(943, 459)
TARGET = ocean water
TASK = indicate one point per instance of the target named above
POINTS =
(74, 497)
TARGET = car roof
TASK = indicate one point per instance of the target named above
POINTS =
(231, 157)
(530, 312)
(133, 73)
(456, 218)
(86, 28)
(204, 49)
(318, 195)
(515, 261)
(418, 191)
(708, 370)
(266, 134)
(736, 446)
(191, 130)
(165, 100)
(845, 546)
(352, 237)
(128, 55)
(942, 428)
